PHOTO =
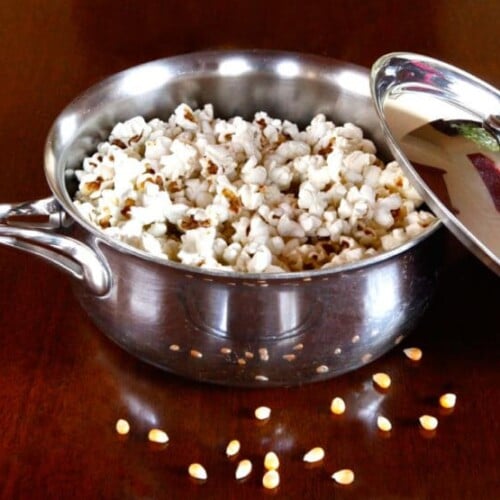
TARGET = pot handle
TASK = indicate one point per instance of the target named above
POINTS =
(30, 227)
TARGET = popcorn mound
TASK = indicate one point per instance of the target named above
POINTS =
(260, 196)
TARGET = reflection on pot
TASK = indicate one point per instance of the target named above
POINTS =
(256, 310)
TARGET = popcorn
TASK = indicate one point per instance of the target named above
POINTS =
(253, 174)
(281, 176)
(197, 246)
(231, 253)
(259, 231)
(251, 196)
(130, 133)
(185, 118)
(260, 260)
(345, 209)
(289, 228)
(311, 199)
(154, 149)
(293, 149)
(310, 223)
(248, 196)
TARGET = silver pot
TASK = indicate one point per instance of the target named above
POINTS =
(235, 329)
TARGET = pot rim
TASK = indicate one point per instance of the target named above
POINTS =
(61, 194)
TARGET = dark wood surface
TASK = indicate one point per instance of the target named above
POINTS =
(63, 384)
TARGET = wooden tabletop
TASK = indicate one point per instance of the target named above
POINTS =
(63, 384)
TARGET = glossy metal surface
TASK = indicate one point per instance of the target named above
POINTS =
(269, 329)
(438, 88)
(238, 331)
(28, 227)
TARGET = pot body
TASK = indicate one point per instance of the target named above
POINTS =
(257, 332)
(226, 328)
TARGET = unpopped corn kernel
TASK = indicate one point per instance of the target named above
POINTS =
(384, 424)
(343, 476)
(271, 479)
(262, 412)
(158, 436)
(243, 469)
(337, 406)
(448, 400)
(197, 471)
(428, 422)
(122, 426)
(382, 380)
(271, 461)
(413, 353)
(232, 448)
(314, 455)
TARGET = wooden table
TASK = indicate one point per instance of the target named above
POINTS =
(63, 385)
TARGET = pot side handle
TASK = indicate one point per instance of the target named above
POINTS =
(30, 227)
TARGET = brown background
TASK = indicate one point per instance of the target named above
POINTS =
(63, 384)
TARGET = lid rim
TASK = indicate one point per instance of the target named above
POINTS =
(388, 76)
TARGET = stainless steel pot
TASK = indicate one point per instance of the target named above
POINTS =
(235, 329)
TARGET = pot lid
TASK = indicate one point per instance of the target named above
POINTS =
(443, 126)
